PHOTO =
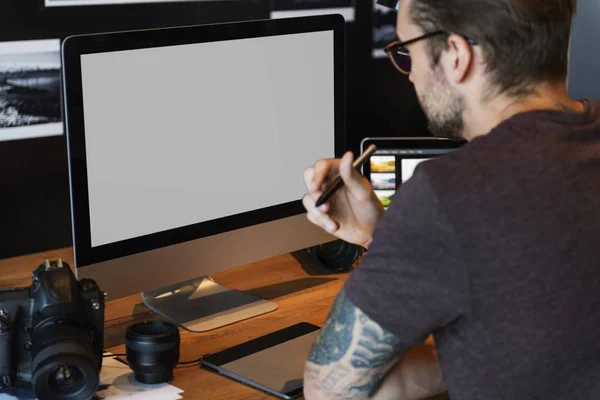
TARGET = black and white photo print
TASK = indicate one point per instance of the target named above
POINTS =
(384, 26)
(71, 3)
(302, 8)
(30, 89)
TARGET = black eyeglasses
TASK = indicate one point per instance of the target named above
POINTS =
(400, 56)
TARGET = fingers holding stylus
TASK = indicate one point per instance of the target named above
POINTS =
(355, 183)
(315, 190)
(323, 172)
(318, 215)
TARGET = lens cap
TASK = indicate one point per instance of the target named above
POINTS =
(152, 351)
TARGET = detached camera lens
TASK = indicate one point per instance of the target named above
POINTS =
(152, 351)
(337, 256)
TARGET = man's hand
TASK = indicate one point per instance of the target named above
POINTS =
(354, 210)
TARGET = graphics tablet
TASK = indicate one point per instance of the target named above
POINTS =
(273, 363)
(396, 159)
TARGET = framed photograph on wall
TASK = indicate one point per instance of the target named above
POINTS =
(393, 4)
(30, 89)
(384, 26)
(71, 3)
(301, 8)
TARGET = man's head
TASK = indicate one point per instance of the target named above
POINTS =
(520, 45)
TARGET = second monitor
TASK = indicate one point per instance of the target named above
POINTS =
(186, 152)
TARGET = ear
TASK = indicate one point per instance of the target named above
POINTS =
(459, 58)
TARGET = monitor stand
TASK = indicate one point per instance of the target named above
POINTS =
(200, 304)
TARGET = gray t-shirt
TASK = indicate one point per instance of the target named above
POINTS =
(495, 249)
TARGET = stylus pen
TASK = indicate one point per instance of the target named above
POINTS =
(338, 182)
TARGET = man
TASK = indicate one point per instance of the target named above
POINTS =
(494, 249)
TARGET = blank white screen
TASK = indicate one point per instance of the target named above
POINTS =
(186, 134)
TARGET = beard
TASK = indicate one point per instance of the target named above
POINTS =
(442, 106)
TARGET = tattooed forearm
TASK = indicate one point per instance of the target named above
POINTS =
(369, 388)
(377, 350)
(333, 378)
(335, 337)
(374, 346)
(352, 354)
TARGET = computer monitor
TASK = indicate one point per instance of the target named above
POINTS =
(186, 151)
(396, 158)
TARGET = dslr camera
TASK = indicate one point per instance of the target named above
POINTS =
(52, 334)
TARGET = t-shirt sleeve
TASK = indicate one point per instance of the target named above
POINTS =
(412, 281)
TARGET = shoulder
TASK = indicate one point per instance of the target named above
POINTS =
(454, 171)
(468, 177)
(592, 108)
(500, 152)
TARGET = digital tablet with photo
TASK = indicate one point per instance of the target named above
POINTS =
(395, 161)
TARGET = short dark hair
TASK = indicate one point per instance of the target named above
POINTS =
(524, 42)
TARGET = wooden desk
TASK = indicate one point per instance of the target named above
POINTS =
(300, 297)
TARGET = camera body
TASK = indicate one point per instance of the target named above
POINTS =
(52, 334)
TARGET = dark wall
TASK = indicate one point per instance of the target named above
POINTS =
(389, 106)
(357, 68)
(393, 106)
(393, 109)
(34, 190)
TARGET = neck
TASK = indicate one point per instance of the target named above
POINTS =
(482, 117)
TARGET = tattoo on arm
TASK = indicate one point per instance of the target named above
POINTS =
(352, 355)
(335, 337)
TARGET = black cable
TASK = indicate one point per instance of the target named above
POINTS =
(179, 363)
(190, 362)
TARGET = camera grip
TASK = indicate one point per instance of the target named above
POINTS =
(6, 356)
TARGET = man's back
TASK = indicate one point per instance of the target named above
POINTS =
(527, 201)
(516, 309)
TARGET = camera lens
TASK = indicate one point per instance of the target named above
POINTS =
(152, 351)
(64, 365)
(65, 377)
(337, 256)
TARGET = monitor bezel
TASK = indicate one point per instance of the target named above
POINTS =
(407, 143)
(75, 46)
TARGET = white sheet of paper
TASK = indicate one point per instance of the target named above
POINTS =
(117, 382)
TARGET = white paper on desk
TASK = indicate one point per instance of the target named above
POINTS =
(22, 392)
(117, 382)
